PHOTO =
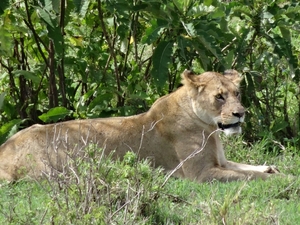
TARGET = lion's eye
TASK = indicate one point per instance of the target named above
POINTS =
(237, 94)
(219, 97)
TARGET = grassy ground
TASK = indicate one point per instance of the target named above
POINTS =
(128, 192)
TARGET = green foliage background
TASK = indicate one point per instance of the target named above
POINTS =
(68, 59)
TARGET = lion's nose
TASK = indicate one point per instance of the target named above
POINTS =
(239, 114)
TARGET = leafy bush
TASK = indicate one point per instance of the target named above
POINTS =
(95, 190)
(91, 190)
(71, 59)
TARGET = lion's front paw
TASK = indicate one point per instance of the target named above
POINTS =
(272, 169)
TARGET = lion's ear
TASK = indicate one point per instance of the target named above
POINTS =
(190, 78)
(234, 76)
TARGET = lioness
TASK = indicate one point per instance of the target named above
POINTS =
(185, 122)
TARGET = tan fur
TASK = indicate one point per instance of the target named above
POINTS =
(174, 127)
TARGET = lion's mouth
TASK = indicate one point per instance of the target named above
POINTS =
(227, 126)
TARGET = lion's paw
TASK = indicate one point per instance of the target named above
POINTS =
(272, 169)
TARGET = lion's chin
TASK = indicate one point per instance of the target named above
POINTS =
(230, 129)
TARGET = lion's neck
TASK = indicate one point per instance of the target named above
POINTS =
(177, 108)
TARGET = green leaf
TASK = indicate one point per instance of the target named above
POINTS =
(48, 4)
(283, 49)
(217, 13)
(229, 59)
(78, 4)
(202, 56)
(55, 114)
(207, 2)
(190, 29)
(81, 6)
(153, 32)
(278, 125)
(250, 82)
(28, 75)
(293, 12)
(161, 59)
(3, 5)
(241, 43)
(241, 10)
(200, 10)
(99, 103)
(46, 17)
(208, 45)
(9, 129)
(178, 4)
(53, 28)
(139, 7)
(286, 34)
(182, 45)
(2, 97)
(56, 4)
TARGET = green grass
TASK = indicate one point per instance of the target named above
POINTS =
(128, 192)
(23, 203)
(272, 202)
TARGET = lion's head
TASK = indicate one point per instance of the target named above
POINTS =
(216, 99)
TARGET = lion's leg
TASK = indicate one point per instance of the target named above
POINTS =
(245, 167)
(225, 175)
(5, 176)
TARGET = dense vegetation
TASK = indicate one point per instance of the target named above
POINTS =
(83, 59)
(102, 191)
(70, 59)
